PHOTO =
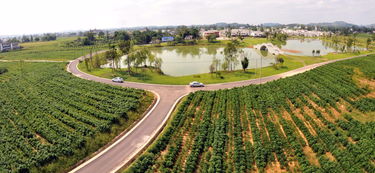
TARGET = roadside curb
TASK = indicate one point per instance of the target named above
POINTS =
(144, 147)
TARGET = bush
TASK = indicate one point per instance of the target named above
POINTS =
(3, 70)
(365, 104)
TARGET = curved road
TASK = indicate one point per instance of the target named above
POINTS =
(125, 148)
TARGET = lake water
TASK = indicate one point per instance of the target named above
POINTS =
(305, 47)
(190, 60)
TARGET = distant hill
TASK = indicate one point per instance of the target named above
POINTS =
(338, 24)
(225, 25)
(271, 24)
(371, 26)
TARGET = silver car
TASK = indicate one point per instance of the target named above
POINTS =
(118, 80)
(196, 84)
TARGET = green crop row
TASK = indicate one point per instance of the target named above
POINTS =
(296, 124)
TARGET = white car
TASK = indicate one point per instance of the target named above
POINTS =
(118, 80)
(196, 84)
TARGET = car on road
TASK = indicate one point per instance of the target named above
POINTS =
(118, 80)
(196, 84)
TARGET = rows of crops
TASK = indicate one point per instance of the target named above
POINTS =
(47, 113)
(298, 124)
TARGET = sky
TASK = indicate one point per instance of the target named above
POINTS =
(42, 16)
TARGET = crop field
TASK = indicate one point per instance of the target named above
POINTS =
(51, 119)
(50, 50)
(322, 120)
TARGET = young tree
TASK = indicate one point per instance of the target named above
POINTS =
(280, 60)
(126, 47)
(313, 52)
(140, 56)
(245, 63)
(317, 52)
(343, 48)
(211, 38)
(151, 59)
(230, 54)
(354, 41)
(101, 34)
(225, 65)
(211, 68)
(157, 63)
(368, 42)
(349, 43)
(335, 41)
(111, 55)
(87, 64)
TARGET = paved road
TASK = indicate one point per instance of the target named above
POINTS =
(125, 148)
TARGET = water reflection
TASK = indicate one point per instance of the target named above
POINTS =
(305, 47)
(190, 60)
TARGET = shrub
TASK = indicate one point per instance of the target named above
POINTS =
(3, 70)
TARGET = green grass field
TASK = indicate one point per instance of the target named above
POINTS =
(312, 122)
(145, 75)
(49, 50)
(50, 119)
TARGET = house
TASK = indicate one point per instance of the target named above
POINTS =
(304, 33)
(155, 41)
(205, 34)
(240, 32)
(167, 39)
(8, 46)
(257, 34)
(189, 37)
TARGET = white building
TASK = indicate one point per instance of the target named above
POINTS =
(205, 34)
(257, 34)
(240, 32)
(8, 46)
(305, 33)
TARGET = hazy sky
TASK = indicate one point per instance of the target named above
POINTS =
(39, 16)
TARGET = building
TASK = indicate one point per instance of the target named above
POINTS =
(304, 33)
(167, 39)
(257, 34)
(205, 34)
(8, 46)
(240, 32)
(155, 41)
(189, 37)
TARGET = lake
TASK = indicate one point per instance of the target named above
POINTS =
(190, 60)
(304, 47)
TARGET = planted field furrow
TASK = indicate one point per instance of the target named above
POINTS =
(47, 115)
(304, 123)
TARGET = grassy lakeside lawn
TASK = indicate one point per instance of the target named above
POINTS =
(48, 50)
(145, 75)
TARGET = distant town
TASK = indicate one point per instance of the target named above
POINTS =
(218, 31)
